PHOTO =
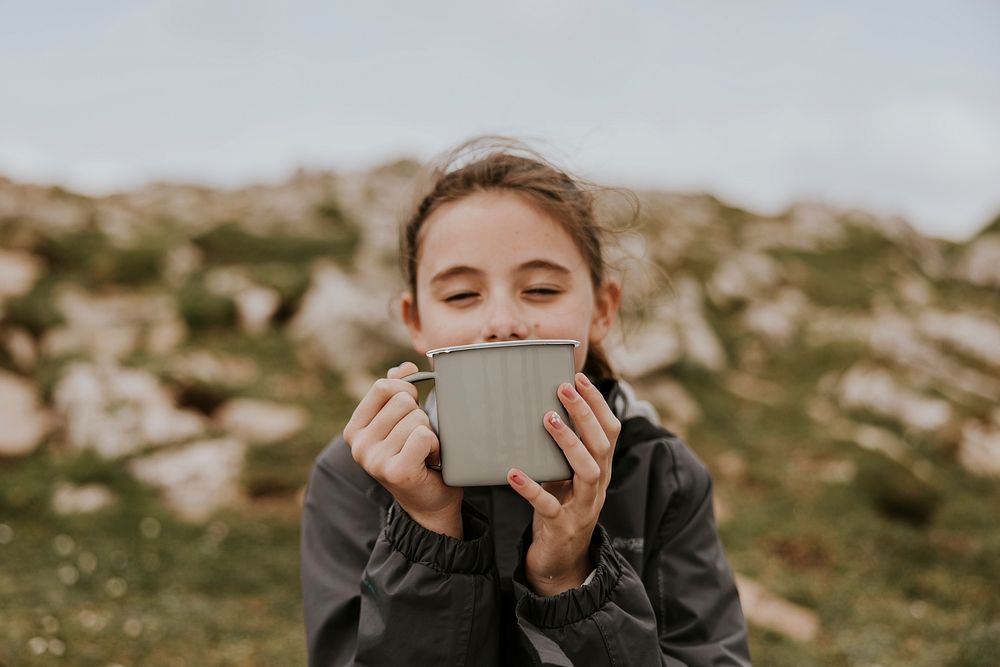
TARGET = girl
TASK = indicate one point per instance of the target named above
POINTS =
(621, 565)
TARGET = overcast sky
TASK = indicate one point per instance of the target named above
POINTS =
(892, 106)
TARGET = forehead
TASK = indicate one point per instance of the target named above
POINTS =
(493, 231)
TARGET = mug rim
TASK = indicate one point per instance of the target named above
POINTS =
(503, 343)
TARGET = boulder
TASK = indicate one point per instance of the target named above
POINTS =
(21, 347)
(113, 326)
(769, 611)
(255, 306)
(743, 277)
(651, 348)
(980, 263)
(197, 479)
(258, 421)
(81, 499)
(874, 389)
(346, 321)
(778, 320)
(18, 273)
(809, 226)
(25, 423)
(117, 411)
(701, 345)
(979, 449)
(975, 335)
(679, 410)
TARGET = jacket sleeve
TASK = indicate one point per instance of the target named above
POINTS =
(376, 593)
(685, 613)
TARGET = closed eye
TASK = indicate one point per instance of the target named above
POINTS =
(461, 296)
(542, 291)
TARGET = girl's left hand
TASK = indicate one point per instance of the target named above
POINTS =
(567, 512)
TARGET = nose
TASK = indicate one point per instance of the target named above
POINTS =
(504, 322)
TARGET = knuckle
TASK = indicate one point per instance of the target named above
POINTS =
(420, 419)
(350, 431)
(602, 448)
(591, 474)
(401, 400)
(615, 426)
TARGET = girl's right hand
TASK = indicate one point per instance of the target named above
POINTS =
(391, 438)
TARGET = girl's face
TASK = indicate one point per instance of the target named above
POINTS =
(493, 268)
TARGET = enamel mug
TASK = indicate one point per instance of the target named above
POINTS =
(490, 401)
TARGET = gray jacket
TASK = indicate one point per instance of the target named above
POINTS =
(379, 589)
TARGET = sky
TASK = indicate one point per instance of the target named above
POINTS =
(892, 106)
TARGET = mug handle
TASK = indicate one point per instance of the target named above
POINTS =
(414, 378)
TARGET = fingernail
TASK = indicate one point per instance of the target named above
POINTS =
(567, 390)
(555, 420)
(583, 379)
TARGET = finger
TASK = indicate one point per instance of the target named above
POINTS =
(419, 446)
(394, 442)
(586, 471)
(605, 415)
(401, 371)
(588, 428)
(378, 395)
(543, 502)
(394, 410)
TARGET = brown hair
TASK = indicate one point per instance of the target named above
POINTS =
(501, 164)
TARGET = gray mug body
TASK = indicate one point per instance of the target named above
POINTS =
(491, 402)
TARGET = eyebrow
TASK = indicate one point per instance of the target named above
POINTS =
(462, 270)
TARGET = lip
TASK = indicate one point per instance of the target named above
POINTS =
(503, 343)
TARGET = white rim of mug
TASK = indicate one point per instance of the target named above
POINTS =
(503, 343)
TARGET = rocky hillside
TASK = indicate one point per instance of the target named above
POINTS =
(837, 371)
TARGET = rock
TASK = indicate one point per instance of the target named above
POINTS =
(25, 424)
(18, 273)
(258, 421)
(779, 319)
(197, 479)
(883, 441)
(673, 402)
(979, 449)
(809, 226)
(165, 336)
(754, 389)
(874, 389)
(743, 277)
(112, 326)
(212, 368)
(180, 262)
(975, 335)
(347, 321)
(21, 347)
(83, 499)
(117, 411)
(980, 263)
(255, 306)
(894, 337)
(772, 612)
(700, 343)
(653, 347)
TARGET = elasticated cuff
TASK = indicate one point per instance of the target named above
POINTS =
(576, 604)
(473, 555)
